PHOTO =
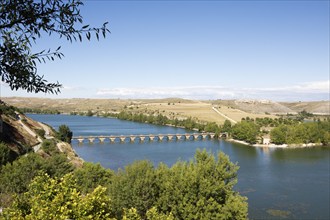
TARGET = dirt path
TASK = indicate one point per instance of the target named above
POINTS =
(32, 133)
(26, 128)
(46, 129)
(223, 115)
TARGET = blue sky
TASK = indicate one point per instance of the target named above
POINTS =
(275, 50)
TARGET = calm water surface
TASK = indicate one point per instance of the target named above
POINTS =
(279, 183)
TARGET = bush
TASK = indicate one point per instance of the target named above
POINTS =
(6, 154)
(49, 146)
(16, 177)
(41, 133)
(92, 175)
(64, 133)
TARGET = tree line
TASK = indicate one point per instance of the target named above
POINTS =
(159, 119)
(40, 111)
(311, 132)
(283, 131)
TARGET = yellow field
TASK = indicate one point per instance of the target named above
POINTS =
(172, 107)
(200, 110)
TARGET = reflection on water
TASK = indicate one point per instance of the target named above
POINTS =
(279, 183)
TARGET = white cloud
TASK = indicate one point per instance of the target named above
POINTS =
(309, 91)
(303, 91)
(309, 87)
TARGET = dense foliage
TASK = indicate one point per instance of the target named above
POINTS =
(6, 154)
(22, 23)
(92, 175)
(40, 111)
(15, 177)
(199, 189)
(64, 133)
(311, 132)
(53, 198)
(245, 131)
(283, 130)
(48, 198)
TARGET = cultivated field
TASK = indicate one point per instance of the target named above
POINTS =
(174, 107)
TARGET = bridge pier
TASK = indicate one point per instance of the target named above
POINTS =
(80, 140)
(91, 140)
(188, 136)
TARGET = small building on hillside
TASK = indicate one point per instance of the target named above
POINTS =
(266, 140)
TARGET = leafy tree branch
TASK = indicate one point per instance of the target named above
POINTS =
(22, 22)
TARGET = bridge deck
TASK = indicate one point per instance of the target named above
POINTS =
(149, 137)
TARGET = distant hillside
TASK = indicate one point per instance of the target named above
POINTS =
(320, 107)
(173, 107)
(266, 106)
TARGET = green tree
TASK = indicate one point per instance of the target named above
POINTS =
(226, 126)
(22, 22)
(201, 189)
(212, 127)
(92, 175)
(6, 154)
(136, 186)
(49, 147)
(278, 135)
(64, 133)
(57, 165)
(15, 177)
(49, 198)
(246, 130)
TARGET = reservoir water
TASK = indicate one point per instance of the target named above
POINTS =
(279, 183)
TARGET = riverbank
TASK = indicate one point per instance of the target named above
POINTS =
(277, 145)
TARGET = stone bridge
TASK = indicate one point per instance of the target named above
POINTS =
(147, 137)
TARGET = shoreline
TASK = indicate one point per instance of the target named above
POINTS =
(278, 146)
